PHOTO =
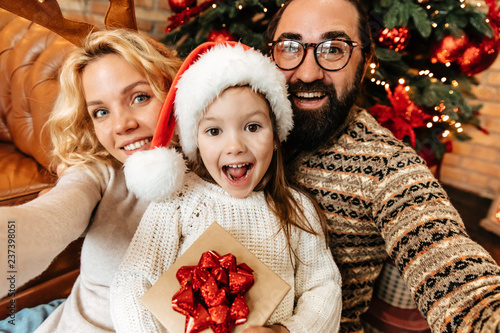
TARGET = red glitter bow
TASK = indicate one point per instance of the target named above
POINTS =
(211, 293)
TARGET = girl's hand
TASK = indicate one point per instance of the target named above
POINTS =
(267, 329)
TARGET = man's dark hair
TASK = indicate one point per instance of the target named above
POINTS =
(364, 30)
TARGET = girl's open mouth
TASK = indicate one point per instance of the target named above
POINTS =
(237, 172)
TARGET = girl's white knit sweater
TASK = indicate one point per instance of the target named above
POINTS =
(168, 228)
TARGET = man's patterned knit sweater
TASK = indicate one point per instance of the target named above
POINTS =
(380, 199)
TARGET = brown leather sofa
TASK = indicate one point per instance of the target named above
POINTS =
(30, 57)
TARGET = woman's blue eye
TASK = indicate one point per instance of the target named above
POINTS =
(141, 98)
(100, 113)
(253, 127)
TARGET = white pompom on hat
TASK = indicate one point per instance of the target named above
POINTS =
(206, 72)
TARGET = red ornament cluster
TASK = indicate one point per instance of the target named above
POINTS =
(449, 49)
(472, 56)
(183, 16)
(479, 56)
(395, 39)
(211, 293)
(178, 6)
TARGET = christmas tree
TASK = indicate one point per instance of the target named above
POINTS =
(427, 53)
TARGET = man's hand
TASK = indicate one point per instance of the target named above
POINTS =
(267, 329)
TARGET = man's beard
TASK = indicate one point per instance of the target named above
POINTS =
(313, 127)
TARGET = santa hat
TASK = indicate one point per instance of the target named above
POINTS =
(207, 71)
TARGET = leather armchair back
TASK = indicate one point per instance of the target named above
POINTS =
(30, 59)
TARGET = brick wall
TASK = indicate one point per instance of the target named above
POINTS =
(473, 165)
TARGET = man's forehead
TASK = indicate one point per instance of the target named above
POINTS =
(315, 20)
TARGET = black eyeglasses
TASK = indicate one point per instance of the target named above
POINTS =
(331, 55)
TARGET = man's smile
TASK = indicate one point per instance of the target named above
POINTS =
(309, 95)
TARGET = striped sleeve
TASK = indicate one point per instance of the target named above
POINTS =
(455, 282)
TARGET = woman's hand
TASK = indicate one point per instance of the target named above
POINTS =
(267, 329)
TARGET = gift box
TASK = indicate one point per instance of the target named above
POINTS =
(262, 298)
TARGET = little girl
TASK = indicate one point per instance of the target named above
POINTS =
(232, 114)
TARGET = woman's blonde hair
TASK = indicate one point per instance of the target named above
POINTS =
(71, 129)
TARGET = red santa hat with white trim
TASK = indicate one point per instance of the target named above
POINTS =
(206, 72)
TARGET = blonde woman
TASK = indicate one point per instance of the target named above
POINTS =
(112, 90)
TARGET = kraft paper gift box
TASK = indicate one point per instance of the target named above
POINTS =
(262, 298)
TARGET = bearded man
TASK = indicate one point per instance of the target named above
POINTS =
(378, 195)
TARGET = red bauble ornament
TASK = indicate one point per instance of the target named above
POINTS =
(449, 49)
(220, 36)
(178, 6)
(395, 39)
(478, 56)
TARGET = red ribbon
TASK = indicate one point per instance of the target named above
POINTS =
(211, 293)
